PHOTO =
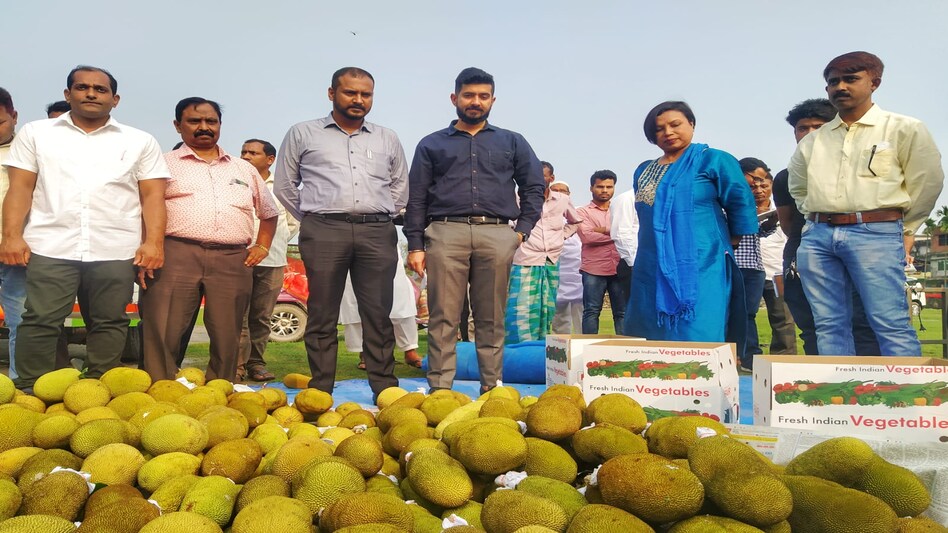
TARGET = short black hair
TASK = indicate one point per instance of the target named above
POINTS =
(268, 148)
(113, 83)
(547, 165)
(355, 72)
(651, 130)
(472, 75)
(818, 108)
(602, 175)
(750, 164)
(59, 106)
(194, 101)
(856, 62)
(6, 101)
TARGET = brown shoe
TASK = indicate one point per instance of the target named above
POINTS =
(259, 373)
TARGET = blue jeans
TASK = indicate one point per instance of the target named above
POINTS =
(870, 258)
(13, 300)
(753, 292)
(594, 291)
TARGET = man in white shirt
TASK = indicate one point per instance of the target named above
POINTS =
(267, 275)
(85, 204)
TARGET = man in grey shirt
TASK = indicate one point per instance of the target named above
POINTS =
(354, 180)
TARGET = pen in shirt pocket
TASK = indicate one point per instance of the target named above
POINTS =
(236, 181)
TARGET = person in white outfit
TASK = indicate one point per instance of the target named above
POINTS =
(568, 317)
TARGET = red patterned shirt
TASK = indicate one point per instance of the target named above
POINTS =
(214, 201)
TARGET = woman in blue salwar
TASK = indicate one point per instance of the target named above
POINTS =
(693, 205)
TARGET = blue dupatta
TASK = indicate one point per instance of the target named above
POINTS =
(676, 289)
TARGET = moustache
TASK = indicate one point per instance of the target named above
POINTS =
(841, 93)
(203, 133)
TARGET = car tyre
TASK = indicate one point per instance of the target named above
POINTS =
(287, 323)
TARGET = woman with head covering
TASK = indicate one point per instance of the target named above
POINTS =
(693, 205)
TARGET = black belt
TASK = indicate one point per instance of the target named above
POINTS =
(207, 245)
(353, 218)
(473, 220)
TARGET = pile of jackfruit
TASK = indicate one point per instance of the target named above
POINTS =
(121, 454)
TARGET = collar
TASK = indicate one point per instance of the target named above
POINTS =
(366, 126)
(594, 205)
(452, 130)
(871, 118)
(186, 152)
(66, 119)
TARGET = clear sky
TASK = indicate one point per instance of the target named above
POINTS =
(576, 78)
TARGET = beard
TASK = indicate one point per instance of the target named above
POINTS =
(462, 116)
(347, 112)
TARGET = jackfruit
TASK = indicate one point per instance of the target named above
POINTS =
(161, 468)
(388, 396)
(652, 488)
(821, 505)
(712, 524)
(401, 436)
(672, 436)
(86, 393)
(295, 454)
(782, 527)
(274, 513)
(200, 399)
(412, 399)
(456, 429)
(616, 409)
(213, 497)
(554, 418)
(60, 494)
(10, 499)
(545, 458)
(149, 413)
(114, 463)
(327, 419)
(367, 508)
(560, 493)
(223, 423)
(535, 529)
(740, 481)
(560, 390)
(365, 454)
(222, 385)
(37, 523)
(439, 478)
(371, 528)
(236, 460)
(312, 402)
(296, 381)
(106, 496)
(395, 415)
(382, 483)
(171, 492)
(181, 521)
(438, 406)
(425, 522)
(11, 461)
(358, 417)
(470, 512)
(255, 413)
(920, 524)
(7, 389)
(597, 518)
(302, 428)
(194, 375)
(93, 435)
(505, 407)
(321, 483)
(126, 405)
(338, 434)
(17, 424)
(167, 390)
(37, 466)
(505, 511)
(51, 386)
(269, 436)
(261, 487)
(490, 449)
(274, 398)
(604, 441)
(419, 444)
(29, 402)
(54, 431)
(174, 433)
(127, 516)
(122, 380)
(468, 411)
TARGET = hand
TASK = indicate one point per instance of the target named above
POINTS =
(14, 251)
(602, 229)
(255, 254)
(149, 257)
(416, 262)
(908, 240)
(145, 273)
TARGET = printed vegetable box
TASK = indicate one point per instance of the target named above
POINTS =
(898, 398)
(564, 357)
(667, 378)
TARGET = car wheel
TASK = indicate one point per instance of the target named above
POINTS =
(287, 323)
(916, 308)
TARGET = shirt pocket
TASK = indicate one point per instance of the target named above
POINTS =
(501, 160)
(876, 161)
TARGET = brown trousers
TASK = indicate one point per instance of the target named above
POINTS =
(458, 254)
(172, 298)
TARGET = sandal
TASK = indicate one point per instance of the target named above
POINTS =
(413, 359)
(259, 373)
(361, 365)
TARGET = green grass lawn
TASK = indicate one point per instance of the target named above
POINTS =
(287, 357)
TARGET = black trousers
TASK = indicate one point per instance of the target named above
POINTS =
(330, 249)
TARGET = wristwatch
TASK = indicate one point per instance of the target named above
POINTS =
(523, 236)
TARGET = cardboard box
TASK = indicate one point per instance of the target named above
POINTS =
(896, 398)
(564, 357)
(667, 378)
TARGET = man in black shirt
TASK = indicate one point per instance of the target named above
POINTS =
(805, 117)
(463, 187)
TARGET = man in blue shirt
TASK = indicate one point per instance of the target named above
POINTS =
(463, 187)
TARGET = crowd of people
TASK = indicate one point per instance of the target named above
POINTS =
(687, 253)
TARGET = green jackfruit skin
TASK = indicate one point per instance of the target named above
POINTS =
(899, 487)
(439, 478)
(597, 518)
(650, 487)
(672, 436)
(60, 494)
(409, 494)
(712, 524)
(490, 449)
(602, 442)
(425, 522)
(548, 459)
(782, 527)
(505, 511)
(617, 409)
(740, 481)
(920, 524)
(562, 494)
(367, 508)
(38, 523)
(820, 505)
(470, 512)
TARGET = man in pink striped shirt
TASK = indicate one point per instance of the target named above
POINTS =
(601, 269)
(211, 200)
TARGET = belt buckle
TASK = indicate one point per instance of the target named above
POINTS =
(476, 220)
(839, 219)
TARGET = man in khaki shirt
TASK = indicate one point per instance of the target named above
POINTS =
(865, 182)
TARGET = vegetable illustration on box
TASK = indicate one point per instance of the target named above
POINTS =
(855, 392)
(555, 353)
(654, 413)
(649, 369)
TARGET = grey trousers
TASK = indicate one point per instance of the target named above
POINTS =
(784, 331)
(51, 289)
(458, 254)
(255, 333)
